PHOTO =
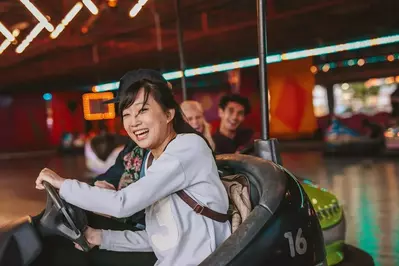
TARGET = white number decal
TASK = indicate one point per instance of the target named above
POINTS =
(291, 243)
(300, 243)
(300, 246)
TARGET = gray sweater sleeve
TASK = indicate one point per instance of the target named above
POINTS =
(163, 178)
(125, 241)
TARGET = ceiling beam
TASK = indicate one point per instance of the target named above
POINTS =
(109, 51)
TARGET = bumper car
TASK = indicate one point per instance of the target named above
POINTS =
(329, 213)
(341, 140)
(282, 228)
(391, 136)
(331, 218)
(72, 143)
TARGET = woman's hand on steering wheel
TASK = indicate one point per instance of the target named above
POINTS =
(93, 237)
(51, 177)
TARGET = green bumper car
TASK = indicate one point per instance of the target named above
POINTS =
(331, 218)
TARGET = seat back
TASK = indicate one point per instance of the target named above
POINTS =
(267, 186)
(266, 180)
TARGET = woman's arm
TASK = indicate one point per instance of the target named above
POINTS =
(125, 241)
(163, 178)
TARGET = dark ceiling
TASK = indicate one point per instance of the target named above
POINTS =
(214, 31)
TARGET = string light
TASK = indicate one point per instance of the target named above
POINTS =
(90, 6)
(351, 62)
(29, 38)
(72, 14)
(378, 82)
(274, 59)
(9, 38)
(326, 67)
(313, 69)
(38, 15)
(136, 8)
(359, 62)
(65, 21)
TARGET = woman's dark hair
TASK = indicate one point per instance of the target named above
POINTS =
(163, 95)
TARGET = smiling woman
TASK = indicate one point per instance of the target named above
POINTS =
(179, 169)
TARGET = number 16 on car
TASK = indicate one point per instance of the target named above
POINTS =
(297, 244)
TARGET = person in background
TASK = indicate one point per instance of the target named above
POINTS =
(230, 138)
(194, 114)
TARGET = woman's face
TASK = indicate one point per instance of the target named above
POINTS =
(195, 118)
(147, 125)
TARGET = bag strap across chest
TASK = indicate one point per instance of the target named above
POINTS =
(197, 208)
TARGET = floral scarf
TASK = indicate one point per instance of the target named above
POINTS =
(132, 162)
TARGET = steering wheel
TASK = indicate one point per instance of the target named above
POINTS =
(64, 219)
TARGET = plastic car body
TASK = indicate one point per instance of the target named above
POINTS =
(331, 218)
(391, 136)
(329, 212)
(282, 229)
(340, 139)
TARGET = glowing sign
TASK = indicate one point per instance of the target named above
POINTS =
(95, 109)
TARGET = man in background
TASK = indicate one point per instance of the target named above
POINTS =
(229, 138)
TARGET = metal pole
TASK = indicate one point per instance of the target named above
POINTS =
(181, 49)
(158, 35)
(262, 47)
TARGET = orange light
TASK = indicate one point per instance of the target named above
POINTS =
(98, 98)
(389, 134)
(397, 79)
(369, 83)
(326, 67)
(84, 30)
(390, 58)
(313, 69)
(361, 62)
(112, 3)
(389, 80)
